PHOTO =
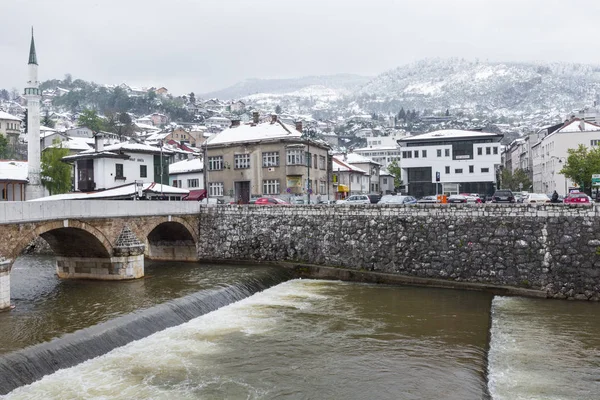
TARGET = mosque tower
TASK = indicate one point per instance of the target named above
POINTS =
(32, 93)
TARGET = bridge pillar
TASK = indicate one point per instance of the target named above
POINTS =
(127, 262)
(5, 266)
(173, 251)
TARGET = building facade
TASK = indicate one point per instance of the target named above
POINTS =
(10, 127)
(265, 159)
(450, 161)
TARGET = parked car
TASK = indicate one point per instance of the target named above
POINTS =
(391, 199)
(355, 199)
(297, 200)
(428, 199)
(375, 198)
(270, 201)
(536, 198)
(577, 198)
(457, 198)
(472, 197)
(503, 196)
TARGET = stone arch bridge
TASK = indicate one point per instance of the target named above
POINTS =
(105, 240)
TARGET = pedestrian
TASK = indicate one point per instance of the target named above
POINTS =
(554, 198)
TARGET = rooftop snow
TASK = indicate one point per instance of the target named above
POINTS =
(448, 134)
(181, 167)
(120, 191)
(355, 158)
(575, 126)
(247, 133)
(5, 115)
(13, 171)
(343, 166)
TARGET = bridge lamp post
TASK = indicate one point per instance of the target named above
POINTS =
(308, 134)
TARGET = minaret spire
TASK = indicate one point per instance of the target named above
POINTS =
(32, 55)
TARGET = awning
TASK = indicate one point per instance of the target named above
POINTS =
(196, 195)
(343, 188)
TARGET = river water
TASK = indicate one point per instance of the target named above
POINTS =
(308, 339)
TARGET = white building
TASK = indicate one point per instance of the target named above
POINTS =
(187, 174)
(348, 179)
(459, 161)
(550, 154)
(382, 149)
(119, 164)
(386, 181)
(10, 127)
(369, 166)
(219, 122)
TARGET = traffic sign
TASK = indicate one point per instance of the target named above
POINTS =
(596, 180)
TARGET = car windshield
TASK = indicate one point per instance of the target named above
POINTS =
(577, 195)
(503, 193)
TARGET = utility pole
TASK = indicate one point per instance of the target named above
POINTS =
(162, 195)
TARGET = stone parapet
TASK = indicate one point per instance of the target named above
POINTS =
(553, 248)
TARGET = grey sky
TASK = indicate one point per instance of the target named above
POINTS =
(203, 45)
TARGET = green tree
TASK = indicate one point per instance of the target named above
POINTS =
(91, 120)
(394, 169)
(192, 98)
(278, 109)
(581, 164)
(46, 121)
(55, 174)
(517, 181)
(4, 148)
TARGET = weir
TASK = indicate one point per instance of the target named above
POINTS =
(28, 365)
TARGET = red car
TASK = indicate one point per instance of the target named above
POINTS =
(577, 198)
(270, 201)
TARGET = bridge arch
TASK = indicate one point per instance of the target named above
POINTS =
(68, 238)
(172, 239)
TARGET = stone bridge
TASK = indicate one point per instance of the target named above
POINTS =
(104, 240)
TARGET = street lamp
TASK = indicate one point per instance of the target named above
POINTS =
(561, 160)
(308, 134)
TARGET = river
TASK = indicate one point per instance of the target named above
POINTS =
(308, 339)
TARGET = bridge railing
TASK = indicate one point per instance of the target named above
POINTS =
(23, 211)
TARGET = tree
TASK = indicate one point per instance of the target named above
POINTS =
(402, 114)
(394, 169)
(46, 121)
(4, 150)
(517, 181)
(447, 112)
(91, 120)
(4, 95)
(581, 164)
(278, 109)
(55, 174)
(192, 98)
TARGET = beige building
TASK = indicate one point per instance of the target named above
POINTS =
(266, 159)
(10, 127)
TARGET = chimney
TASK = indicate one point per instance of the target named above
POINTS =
(235, 122)
(255, 117)
(299, 126)
(273, 118)
(99, 142)
(582, 125)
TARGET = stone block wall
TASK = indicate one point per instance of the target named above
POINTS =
(548, 247)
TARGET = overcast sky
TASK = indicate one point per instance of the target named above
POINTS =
(204, 45)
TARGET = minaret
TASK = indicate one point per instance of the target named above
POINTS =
(34, 188)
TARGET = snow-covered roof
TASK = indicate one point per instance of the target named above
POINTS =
(76, 144)
(448, 134)
(7, 116)
(13, 170)
(135, 147)
(355, 158)
(579, 125)
(193, 165)
(121, 191)
(377, 148)
(384, 172)
(251, 132)
(158, 136)
(341, 166)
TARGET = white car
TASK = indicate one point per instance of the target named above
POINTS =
(390, 199)
(536, 198)
(355, 199)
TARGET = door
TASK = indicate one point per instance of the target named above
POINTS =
(242, 192)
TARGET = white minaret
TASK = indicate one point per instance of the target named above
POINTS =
(34, 187)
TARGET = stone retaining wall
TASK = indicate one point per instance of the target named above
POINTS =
(553, 248)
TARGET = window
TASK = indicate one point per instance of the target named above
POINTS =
(215, 189)
(271, 159)
(480, 151)
(295, 157)
(485, 170)
(119, 171)
(439, 152)
(315, 161)
(447, 152)
(594, 142)
(322, 187)
(495, 150)
(322, 162)
(193, 183)
(447, 170)
(471, 169)
(176, 183)
(416, 153)
(143, 171)
(215, 163)
(241, 161)
(488, 151)
(458, 171)
(424, 153)
(407, 154)
(271, 186)
(384, 181)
